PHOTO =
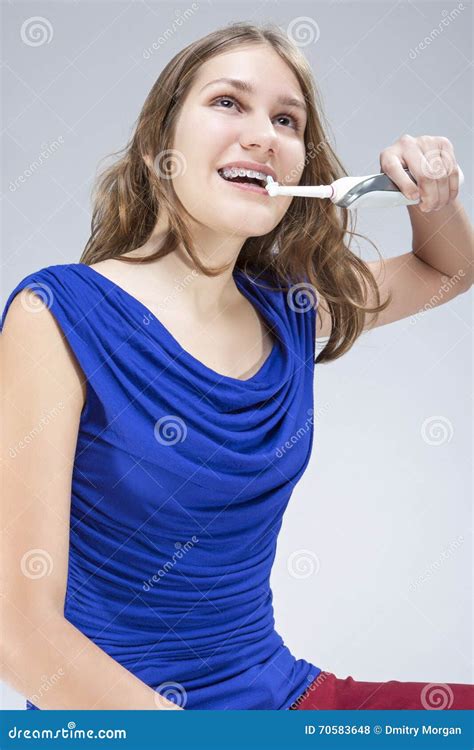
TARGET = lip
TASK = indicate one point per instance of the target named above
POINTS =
(248, 165)
(245, 186)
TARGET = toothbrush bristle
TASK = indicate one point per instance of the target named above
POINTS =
(270, 185)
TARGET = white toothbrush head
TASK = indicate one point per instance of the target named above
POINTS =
(271, 187)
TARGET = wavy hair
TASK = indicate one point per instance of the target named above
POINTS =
(307, 247)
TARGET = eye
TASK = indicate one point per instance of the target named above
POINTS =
(228, 98)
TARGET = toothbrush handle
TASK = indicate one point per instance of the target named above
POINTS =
(378, 191)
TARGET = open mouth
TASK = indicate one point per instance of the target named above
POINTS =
(255, 184)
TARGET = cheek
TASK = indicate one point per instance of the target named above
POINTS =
(202, 138)
(216, 134)
(294, 164)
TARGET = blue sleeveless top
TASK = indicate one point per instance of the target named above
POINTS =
(180, 481)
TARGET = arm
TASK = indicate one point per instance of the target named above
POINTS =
(441, 264)
(42, 377)
(444, 239)
(415, 286)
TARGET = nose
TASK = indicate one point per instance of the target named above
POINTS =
(258, 132)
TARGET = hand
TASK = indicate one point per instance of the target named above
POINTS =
(431, 161)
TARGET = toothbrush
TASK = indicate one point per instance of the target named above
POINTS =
(371, 191)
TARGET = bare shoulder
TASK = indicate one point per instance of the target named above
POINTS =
(124, 274)
(34, 345)
(109, 267)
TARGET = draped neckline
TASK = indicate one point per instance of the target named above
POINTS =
(240, 279)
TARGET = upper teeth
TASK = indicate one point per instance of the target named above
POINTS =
(239, 172)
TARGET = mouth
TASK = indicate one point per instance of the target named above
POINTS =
(249, 184)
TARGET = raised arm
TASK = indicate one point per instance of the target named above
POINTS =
(441, 262)
(43, 396)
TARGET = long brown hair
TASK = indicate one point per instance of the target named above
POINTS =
(306, 247)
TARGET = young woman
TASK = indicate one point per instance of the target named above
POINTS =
(158, 378)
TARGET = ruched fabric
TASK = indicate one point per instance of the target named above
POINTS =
(180, 482)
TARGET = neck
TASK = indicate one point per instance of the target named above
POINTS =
(205, 295)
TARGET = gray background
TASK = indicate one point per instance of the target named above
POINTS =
(382, 517)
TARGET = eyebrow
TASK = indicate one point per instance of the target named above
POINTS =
(247, 88)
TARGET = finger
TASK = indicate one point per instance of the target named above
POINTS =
(393, 168)
(436, 165)
(453, 181)
(429, 193)
(443, 182)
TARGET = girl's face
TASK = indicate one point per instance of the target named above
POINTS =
(220, 124)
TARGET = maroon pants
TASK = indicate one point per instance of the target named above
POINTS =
(331, 692)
